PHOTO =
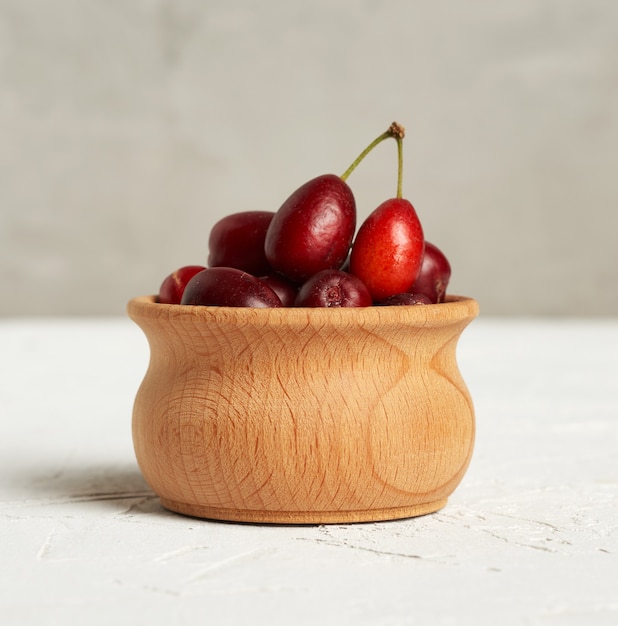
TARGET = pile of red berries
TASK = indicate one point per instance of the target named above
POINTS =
(307, 255)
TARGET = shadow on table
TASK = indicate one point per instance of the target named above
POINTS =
(118, 487)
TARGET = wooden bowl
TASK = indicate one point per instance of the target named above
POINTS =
(298, 415)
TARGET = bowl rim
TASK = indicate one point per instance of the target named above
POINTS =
(455, 308)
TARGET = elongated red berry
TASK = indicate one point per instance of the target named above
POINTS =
(313, 229)
(388, 249)
(228, 286)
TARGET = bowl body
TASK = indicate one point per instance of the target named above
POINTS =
(298, 415)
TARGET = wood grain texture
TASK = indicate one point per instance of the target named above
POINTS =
(303, 415)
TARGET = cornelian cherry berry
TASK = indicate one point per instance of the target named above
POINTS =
(313, 229)
(333, 288)
(434, 275)
(237, 241)
(388, 249)
(173, 286)
(228, 286)
(282, 287)
(406, 299)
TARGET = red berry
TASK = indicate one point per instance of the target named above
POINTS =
(228, 286)
(237, 241)
(406, 299)
(282, 287)
(313, 229)
(388, 249)
(173, 286)
(433, 277)
(333, 288)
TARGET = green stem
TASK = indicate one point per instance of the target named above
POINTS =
(364, 153)
(399, 165)
(396, 131)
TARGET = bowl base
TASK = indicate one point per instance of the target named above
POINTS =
(302, 517)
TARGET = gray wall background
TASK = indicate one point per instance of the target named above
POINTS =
(127, 128)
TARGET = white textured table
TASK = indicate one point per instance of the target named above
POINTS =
(529, 537)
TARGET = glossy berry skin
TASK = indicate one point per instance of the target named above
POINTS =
(406, 299)
(237, 241)
(333, 288)
(282, 287)
(434, 275)
(313, 229)
(173, 286)
(228, 286)
(388, 249)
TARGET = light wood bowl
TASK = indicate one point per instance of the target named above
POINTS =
(303, 416)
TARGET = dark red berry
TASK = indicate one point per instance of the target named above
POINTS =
(282, 287)
(313, 229)
(238, 241)
(406, 299)
(333, 288)
(228, 286)
(434, 275)
(173, 286)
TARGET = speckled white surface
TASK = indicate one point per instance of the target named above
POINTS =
(530, 536)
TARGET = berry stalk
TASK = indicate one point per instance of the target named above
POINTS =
(396, 131)
(399, 164)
